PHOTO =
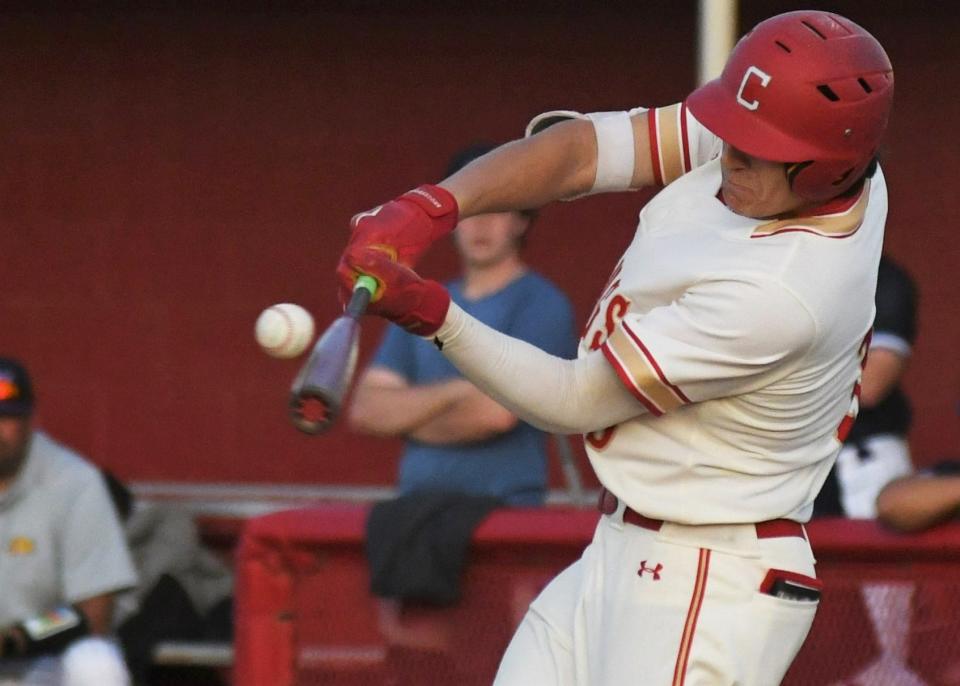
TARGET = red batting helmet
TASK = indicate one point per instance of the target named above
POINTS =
(804, 86)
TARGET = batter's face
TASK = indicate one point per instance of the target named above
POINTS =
(488, 239)
(756, 188)
(14, 435)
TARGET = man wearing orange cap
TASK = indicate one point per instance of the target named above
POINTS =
(63, 554)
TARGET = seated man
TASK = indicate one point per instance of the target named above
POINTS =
(63, 556)
(457, 438)
(914, 503)
(185, 592)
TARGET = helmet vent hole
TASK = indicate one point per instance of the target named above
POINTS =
(782, 46)
(864, 85)
(814, 29)
(828, 93)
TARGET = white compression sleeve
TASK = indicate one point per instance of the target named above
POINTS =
(551, 393)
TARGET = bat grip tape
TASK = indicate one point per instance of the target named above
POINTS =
(362, 292)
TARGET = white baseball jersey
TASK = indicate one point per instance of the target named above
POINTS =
(743, 338)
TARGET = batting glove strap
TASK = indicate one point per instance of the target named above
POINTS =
(408, 225)
(438, 203)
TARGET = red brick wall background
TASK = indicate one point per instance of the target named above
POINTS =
(167, 174)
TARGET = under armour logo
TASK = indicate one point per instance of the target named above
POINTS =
(369, 213)
(653, 570)
(764, 80)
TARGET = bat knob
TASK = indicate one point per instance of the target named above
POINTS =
(312, 414)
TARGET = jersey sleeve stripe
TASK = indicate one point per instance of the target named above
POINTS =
(685, 138)
(653, 363)
(671, 153)
(654, 147)
(643, 373)
(628, 381)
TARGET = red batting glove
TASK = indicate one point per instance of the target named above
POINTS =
(408, 225)
(418, 305)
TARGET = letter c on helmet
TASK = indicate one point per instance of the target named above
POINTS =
(764, 80)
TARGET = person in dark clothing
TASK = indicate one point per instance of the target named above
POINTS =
(876, 453)
(876, 450)
(185, 592)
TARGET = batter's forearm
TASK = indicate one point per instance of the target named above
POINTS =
(552, 394)
(528, 173)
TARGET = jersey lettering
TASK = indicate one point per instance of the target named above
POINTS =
(615, 310)
(847, 423)
(612, 283)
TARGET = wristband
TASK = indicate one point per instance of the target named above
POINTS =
(437, 202)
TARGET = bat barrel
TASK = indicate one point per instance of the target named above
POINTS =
(317, 392)
(313, 410)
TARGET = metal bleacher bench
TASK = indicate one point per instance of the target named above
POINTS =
(221, 508)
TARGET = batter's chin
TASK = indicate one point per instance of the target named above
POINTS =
(733, 198)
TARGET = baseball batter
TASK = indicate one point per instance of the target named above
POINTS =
(719, 372)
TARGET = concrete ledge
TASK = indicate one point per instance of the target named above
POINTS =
(245, 500)
(193, 654)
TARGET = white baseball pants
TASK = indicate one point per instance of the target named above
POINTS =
(681, 606)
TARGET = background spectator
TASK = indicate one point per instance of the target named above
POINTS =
(185, 591)
(455, 437)
(63, 557)
(467, 450)
(921, 500)
(876, 450)
(875, 453)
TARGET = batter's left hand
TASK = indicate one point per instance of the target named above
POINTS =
(408, 225)
(418, 305)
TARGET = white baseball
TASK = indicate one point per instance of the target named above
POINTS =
(284, 330)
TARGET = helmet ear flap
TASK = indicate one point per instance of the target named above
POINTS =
(818, 181)
(793, 171)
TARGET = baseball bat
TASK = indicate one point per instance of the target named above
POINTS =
(318, 389)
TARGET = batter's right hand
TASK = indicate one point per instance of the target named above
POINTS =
(418, 305)
(407, 226)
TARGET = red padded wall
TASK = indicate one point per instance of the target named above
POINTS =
(305, 615)
(167, 174)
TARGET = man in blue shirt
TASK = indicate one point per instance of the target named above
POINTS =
(457, 438)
